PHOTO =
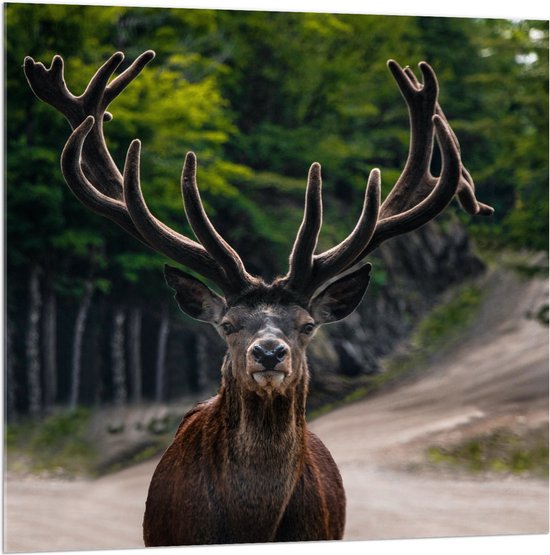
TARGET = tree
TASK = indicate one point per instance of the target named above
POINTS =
(322, 92)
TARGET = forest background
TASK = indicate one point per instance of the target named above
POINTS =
(258, 96)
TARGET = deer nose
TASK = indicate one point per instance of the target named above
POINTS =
(267, 357)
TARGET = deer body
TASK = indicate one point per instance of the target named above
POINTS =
(256, 476)
(243, 466)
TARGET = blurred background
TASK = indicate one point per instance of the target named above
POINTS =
(100, 365)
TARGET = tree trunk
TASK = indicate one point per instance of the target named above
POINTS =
(164, 330)
(79, 328)
(49, 341)
(202, 361)
(9, 376)
(135, 353)
(97, 351)
(32, 350)
(118, 358)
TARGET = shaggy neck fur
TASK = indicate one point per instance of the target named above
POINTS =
(265, 447)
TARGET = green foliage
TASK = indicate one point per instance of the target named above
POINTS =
(132, 265)
(259, 96)
(321, 92)
(501, 450)
(514, 129)
(439, 329)
(58, 444)
(542, 315)
(448, 320)
(57, 428)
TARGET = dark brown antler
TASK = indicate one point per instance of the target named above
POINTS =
(466, 187)
(94, 178)
(308, 271)
(416, 198)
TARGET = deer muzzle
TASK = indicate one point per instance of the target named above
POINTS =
(269, 357)
(269, 363)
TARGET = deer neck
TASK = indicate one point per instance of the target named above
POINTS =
(264, 450)
(264, 423)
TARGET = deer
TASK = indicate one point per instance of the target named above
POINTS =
(243, 466)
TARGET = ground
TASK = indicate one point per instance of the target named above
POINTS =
(495, 378)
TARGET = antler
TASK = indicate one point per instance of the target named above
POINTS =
(416, 198)
(92, 175)
(466, 187)
(94, 178)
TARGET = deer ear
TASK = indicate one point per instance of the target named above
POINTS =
(193, 297)
(341, 297)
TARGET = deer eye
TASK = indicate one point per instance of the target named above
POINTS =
(228, 328)
(307, 329)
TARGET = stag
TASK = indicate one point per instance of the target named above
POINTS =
(243, 466)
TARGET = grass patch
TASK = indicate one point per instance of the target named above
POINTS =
(58, 445)
(501, 451)
(437, 330)
(525, 264)
(91, 442)
(541, 315)
(446, 322)
(141, 454)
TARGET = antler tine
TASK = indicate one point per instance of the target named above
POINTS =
(49, 85)
(205, 232)
(309, 271)
(301, 257)
(119, 83)
(417, 197)
(79, 184)
(467, 196)
(97, 161)
(421, 100)
(92, 98)
(132, 215)
(160, 236)
(466, 187)
(348, 252)
(440, 196)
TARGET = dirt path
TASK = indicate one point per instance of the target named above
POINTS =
(497, 377)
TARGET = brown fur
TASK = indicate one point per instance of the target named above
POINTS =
(243, 466)
(242, 469)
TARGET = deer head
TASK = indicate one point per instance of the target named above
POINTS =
(267, 326)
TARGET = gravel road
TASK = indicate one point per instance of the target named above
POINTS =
(497, 377)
